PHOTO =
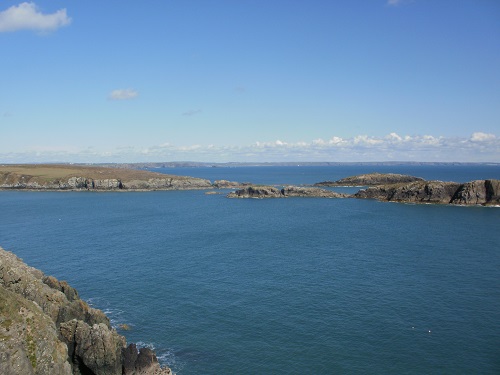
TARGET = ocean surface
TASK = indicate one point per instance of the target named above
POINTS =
(283, 286)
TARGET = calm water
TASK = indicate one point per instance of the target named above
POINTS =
(316, 286)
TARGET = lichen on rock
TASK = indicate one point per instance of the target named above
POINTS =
(46, 329)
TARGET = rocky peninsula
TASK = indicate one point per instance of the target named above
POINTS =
(46, 329)
(479, 192)
(92, 178)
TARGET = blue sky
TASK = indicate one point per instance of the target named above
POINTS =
(249, 80)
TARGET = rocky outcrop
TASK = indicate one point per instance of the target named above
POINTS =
(141, 362)
(224, 184)
(371, 179)
(287, 191)
(482, 192)
(45, 328)
(485, 192)
(70, 177)
(83, 183)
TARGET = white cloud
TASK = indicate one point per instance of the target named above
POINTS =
(123, 94)
(479, 147)
(393, 2)
(27, 16)
(482, 137)
(394, 137)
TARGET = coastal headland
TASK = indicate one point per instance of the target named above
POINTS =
(82, 177)
(46, 329)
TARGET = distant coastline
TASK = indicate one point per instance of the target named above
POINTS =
(194, 164)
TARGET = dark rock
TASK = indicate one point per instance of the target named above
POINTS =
(478, 192)
(484, 192)
(46, 329)
(288, 191)
(224, 184)
(371, 179)
(256, 192)
(142, 362)
(93, 348)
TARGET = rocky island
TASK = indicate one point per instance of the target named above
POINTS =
(285, 192)
(406, 189)
(371, 179)
(46, 329)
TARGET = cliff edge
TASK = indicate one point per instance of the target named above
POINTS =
(479, 192)
(77, 177)
(46, 329)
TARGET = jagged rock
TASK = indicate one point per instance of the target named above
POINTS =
(484, 192)
(93, 348)
(142, 362)
(478, 192)
(70, 292)
(288, 191)
(46, 329)
(29, 342)
(371, 179)
(256, 192)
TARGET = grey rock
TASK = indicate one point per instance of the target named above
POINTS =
(371, 179)
(46, 329)
(285, 192)
(484, 192)
(481, 192)
(225, 184)
(142, 362)
(93, 348)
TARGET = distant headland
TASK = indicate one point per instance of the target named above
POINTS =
(381, 186)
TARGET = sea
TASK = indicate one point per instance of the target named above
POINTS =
(278, 286)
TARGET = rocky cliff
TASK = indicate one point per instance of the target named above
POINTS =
(371, 179)
(70, 177)
(480, 192)
(46, 329)
(287, 191)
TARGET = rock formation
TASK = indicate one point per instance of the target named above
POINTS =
(46, 329)
(287, 191)
(481, 192)
(70, 177)
(371, 179)
(224, 184)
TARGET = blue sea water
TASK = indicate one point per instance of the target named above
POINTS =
(316, 286)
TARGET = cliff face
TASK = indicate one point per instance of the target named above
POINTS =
(288, 191)
(71, 177)
(481, 192)
(15, 181)
(46, 329)
(371, 179)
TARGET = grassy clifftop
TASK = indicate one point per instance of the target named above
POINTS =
(84, 177)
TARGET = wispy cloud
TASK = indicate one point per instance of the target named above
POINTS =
(27, 16)
(479, 147)
(123, 94)
(393, 2)
(192, 112)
